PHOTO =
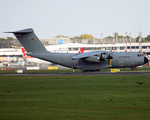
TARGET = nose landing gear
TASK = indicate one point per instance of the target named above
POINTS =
(133, 68)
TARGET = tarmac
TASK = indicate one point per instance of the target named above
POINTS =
(97, 73)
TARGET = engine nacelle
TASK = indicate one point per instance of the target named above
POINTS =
(93, 59)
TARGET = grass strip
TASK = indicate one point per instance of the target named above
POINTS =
(75, 97)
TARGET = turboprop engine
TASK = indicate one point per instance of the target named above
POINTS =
(93, 59)
(99, 58)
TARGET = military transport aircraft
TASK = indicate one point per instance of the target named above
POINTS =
(88, 61)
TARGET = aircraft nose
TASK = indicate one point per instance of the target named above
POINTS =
(145, 60)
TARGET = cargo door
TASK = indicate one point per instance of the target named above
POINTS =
(75, 63)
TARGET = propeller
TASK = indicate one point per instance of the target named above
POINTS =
(109, 57)
(105, 56)
(101, 58)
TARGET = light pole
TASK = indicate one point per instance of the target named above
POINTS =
(130, 42)
(94, 34)
(123, 32)
(101, 39)
(116, 34)
(113, 39)
(140, 42)
(126, 41)
(134, 37)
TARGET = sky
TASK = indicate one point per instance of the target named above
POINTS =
(50, 18)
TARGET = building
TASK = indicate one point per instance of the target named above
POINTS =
(15, 55)
(51, 41)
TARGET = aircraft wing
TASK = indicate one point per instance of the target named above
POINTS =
(94, 56)
(87, 54)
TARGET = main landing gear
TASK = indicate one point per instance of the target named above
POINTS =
(91, 70)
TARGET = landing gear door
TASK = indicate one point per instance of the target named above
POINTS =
(75, 63)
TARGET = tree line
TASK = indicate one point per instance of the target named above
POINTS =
(10, 42)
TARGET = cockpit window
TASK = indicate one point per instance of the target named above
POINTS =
(139, 55)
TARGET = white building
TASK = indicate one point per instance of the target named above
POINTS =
(11, 54)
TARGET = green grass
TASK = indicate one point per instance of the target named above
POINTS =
(75, 97)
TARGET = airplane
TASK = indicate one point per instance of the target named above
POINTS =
(88, 61)
(33, 59)
(39, 61)
(81, 50)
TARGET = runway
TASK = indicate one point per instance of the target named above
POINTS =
(43, 74)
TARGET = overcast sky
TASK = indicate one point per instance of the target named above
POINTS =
(50, 18)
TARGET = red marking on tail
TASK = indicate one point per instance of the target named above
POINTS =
(82, 50)
(24, 53)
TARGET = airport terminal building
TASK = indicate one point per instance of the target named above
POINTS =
(66, 45)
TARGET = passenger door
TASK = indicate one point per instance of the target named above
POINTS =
(75, 63)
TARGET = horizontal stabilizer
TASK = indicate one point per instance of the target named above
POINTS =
(26, 31)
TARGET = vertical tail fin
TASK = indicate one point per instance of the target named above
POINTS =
(81, 50)
(24, 53)
(29, 40)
